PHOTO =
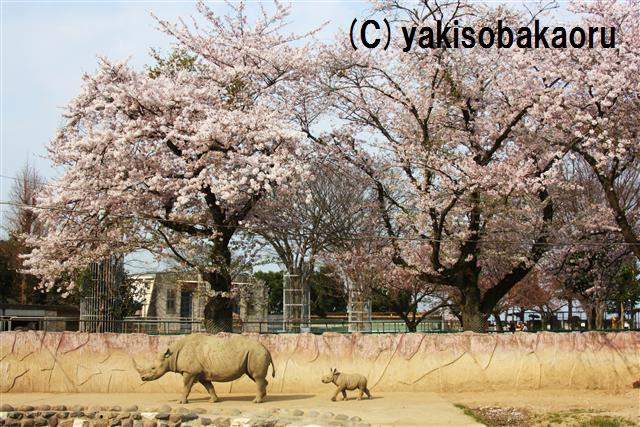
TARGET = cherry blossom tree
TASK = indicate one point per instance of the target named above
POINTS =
(450, 139)
(466, 147)
(539, 292)
(370, 275)
(585, 268)
(597, 109)
(173, 161)
(590, 275)
(469, 153)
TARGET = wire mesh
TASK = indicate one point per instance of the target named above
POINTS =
(359, 311)
(296, 307)
(99, 311)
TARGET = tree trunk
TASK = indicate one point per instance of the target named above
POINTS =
(458, 315)
(218, 313)
(570, 314)
(590, 317)
(544, 319)
(23, 288)
(496, 316)
(621, 316)
(600, 309)
(620, 215)
(472, 317)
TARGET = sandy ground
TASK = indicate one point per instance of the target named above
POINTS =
(625, 403)
(387, 409)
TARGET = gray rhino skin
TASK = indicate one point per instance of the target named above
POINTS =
(347, 382)
(207, 358)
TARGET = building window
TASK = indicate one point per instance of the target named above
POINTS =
(171, 301)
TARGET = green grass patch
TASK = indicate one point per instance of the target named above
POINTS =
(606, 421)
(581, 418)
(473, 414)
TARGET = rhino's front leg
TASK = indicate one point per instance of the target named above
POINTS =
(335, 395)
(344, 395)
(188, 380)
(212, 392)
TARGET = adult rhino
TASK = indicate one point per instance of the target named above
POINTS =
(207, 358)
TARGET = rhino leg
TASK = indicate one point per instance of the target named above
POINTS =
(188, 380)
(366, 390)
(212, 392)
(261, 383)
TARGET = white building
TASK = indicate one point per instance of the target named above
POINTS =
(178, 300)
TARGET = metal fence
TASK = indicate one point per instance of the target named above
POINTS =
(186, 326)
(157, 326)
(564, 320)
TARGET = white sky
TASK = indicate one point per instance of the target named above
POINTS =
(47, 46)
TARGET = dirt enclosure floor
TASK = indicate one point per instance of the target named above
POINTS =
(385, 409)
(580, 408)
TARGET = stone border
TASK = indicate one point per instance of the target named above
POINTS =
(166, 416)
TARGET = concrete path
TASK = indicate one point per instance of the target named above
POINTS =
(385, 409)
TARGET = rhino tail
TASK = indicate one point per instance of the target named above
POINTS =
(273, 369)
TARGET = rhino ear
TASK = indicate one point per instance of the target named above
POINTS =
(167, 354)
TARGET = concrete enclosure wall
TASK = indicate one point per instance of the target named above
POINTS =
(89, 362)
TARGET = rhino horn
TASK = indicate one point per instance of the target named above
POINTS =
(136, 366)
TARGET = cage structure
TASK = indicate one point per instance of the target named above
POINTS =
(100, 310)
(359, 312)
(358, 307)
(296, 307)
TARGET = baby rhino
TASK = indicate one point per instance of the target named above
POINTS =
(347, 382)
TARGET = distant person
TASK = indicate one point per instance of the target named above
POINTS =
(512, 326)
(615, 323)
(521, 327)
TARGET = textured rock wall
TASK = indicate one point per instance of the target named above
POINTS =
(84, 362)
